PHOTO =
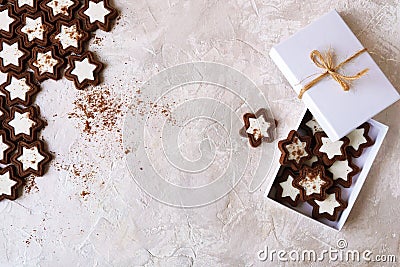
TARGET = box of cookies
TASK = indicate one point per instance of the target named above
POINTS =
(334, 75)
(319, 178)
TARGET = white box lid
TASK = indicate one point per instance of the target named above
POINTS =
(338, 112)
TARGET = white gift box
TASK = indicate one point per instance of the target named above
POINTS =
(338, 112)
(377, 132)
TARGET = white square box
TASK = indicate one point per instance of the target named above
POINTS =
(377, 133)
(338, 112)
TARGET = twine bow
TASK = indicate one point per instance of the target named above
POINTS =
(328, 65)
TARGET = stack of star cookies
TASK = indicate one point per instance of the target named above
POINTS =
(38, 39)
(315, 169)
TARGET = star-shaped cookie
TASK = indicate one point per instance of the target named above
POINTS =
(330, 206)
(312, 182)
(359, 140)
(59, 9)
(258, 127)
(69, 37)
(12, 55)
(285, 191)
(30, 158)
(295, 150)
(83, 70)
(97, 14)
(23, 123)
(343, 171)
(330, 151)
(9, 184)
(34, 29)
(19, 89)
(8, 21)
(45, 63)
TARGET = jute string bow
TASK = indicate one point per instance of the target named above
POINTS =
(327, 63)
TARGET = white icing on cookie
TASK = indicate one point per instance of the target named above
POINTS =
(18, 88)
(6, 184)
(331, 148)
(340, 169)
(258, 128)
(22, 123)
(288, 189)
(311, 161)
(45, 62)
(357, 138)
(30, 158)
(11, 54)
(5, 21)
(312, 183)
(69, 36)
(34, 28)
(84, 70)
(60, 6)
(314, 126)
(3, 146)
(328, 205)
(97, 12)
(297, 150)
(21, 3)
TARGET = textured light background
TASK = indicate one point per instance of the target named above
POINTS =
(88, 211)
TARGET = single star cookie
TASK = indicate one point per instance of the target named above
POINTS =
(23, 123)
(330, 207)
(258, 127)
(12, 55)
(83, 70)
(6, 147)
(312, 182)
(285, 191)
(59, 9)
(8, 21)
(19, 89)
(69, 37)
(34, 29)
(359, 140)
(97, 14)
(31, 158)
(330, 151)
(45, 63)
(9, 184)
(295, 150)
(343, 171)
(25, 6)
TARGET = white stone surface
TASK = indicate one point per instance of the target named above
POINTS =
(58, 224)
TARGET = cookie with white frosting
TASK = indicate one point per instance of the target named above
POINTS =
(45, 63)
(25, 6)
(343, 171)
(285, 191)
(97, 14)
(59, 9)
(34, 29)
(330, 207)
(12, 55)
(69, 37)
(330, 151)
(23, 123)
(8, 21)
(19, 89)
(9, 183)
(295, 150)
(258, 127)
(359, 140)
(31, 158)
(312, 182)
(83, 70)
